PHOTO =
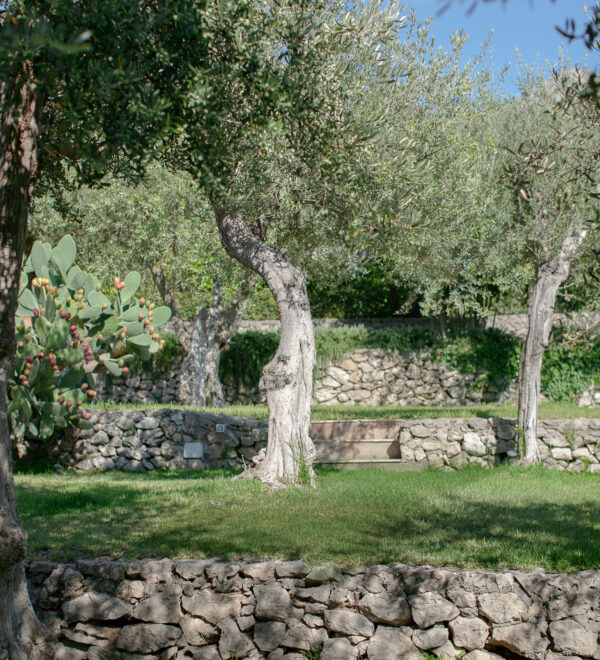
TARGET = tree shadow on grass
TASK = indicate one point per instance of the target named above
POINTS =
(454, 529)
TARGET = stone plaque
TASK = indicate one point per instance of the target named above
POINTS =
(220, 428)
(193, 450)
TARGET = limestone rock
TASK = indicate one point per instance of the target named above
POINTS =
(272, 602)
(163, 607)
(338, 649)
(147, 637)
(522, 638)
(383, 608)
(469, 633)
(233, 643)
(212, 607)
(300, 636)
(501, 608)
(392, 644)
(474, 445)
(572, 638)
(430, 638)
(348, 623)
(95, 605)
(482, 655)
(268, 635)
(431, 608)
(196, 631)
(189, 569)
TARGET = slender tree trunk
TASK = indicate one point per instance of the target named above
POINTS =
(200, 384)
(168, 299)
(542, 298)
(287, 379)
(21, 634)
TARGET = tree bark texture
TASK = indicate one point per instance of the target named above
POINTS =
(287, 379)
(550, 276)
(199, 383)
(22, 636)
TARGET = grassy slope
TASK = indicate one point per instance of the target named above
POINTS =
(506, 518)
(549, 410)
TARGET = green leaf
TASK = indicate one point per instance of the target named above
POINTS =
(132, 284)
(140, 340)
(133, 313)
(76, 278)
(69, 250)
(58, 259)
(160, 316)
(70, 355)
(90, 312)
(46, 427)
(23, 282)
(111, 325)
(28, 301)
(72, 378)
(58, 334)
(134, 328)
(42, 327)
(97, 298)
(112, 367)
(40, 255)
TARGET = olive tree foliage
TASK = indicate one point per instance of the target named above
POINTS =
(552, 172)
(285, 188)
(101, 87)
(444, 231)
(164, 226)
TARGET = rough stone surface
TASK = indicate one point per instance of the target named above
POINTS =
(252, 610)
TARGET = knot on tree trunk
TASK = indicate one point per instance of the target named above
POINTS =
(13, 542)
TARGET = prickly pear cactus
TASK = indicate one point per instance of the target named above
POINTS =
(69, 329)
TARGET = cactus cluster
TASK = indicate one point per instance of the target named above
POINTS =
(68, 329)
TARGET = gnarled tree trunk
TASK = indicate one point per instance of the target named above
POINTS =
(213, 326)
(200, 384)
(21, 634)
(542, 298)
(287, 379)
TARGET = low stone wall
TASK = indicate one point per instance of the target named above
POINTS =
(368, 376)
(139, 440)
(211, 610)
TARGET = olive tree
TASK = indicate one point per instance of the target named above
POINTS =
(105, 86)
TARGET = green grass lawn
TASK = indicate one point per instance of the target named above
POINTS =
(547, 410)
(503, 518)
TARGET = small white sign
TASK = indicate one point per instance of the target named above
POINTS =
(193, 450)
(220, 428)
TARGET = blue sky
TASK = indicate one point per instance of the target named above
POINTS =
(527, 25)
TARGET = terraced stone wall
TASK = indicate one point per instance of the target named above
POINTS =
(141, 440)
(287, 610)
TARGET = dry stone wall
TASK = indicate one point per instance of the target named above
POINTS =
(287, 610)
(138, 440)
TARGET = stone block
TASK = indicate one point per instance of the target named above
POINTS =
(348, 622)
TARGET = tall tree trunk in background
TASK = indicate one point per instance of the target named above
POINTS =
(287, 379)
(200, 384)
(542, 298)
(21, 634)
(213, 326)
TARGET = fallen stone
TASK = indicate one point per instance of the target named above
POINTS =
(385, 609)
(95, 605)
(431, 608)
(469, 633)
(348, 623)
(163, 607)
(147, 637)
